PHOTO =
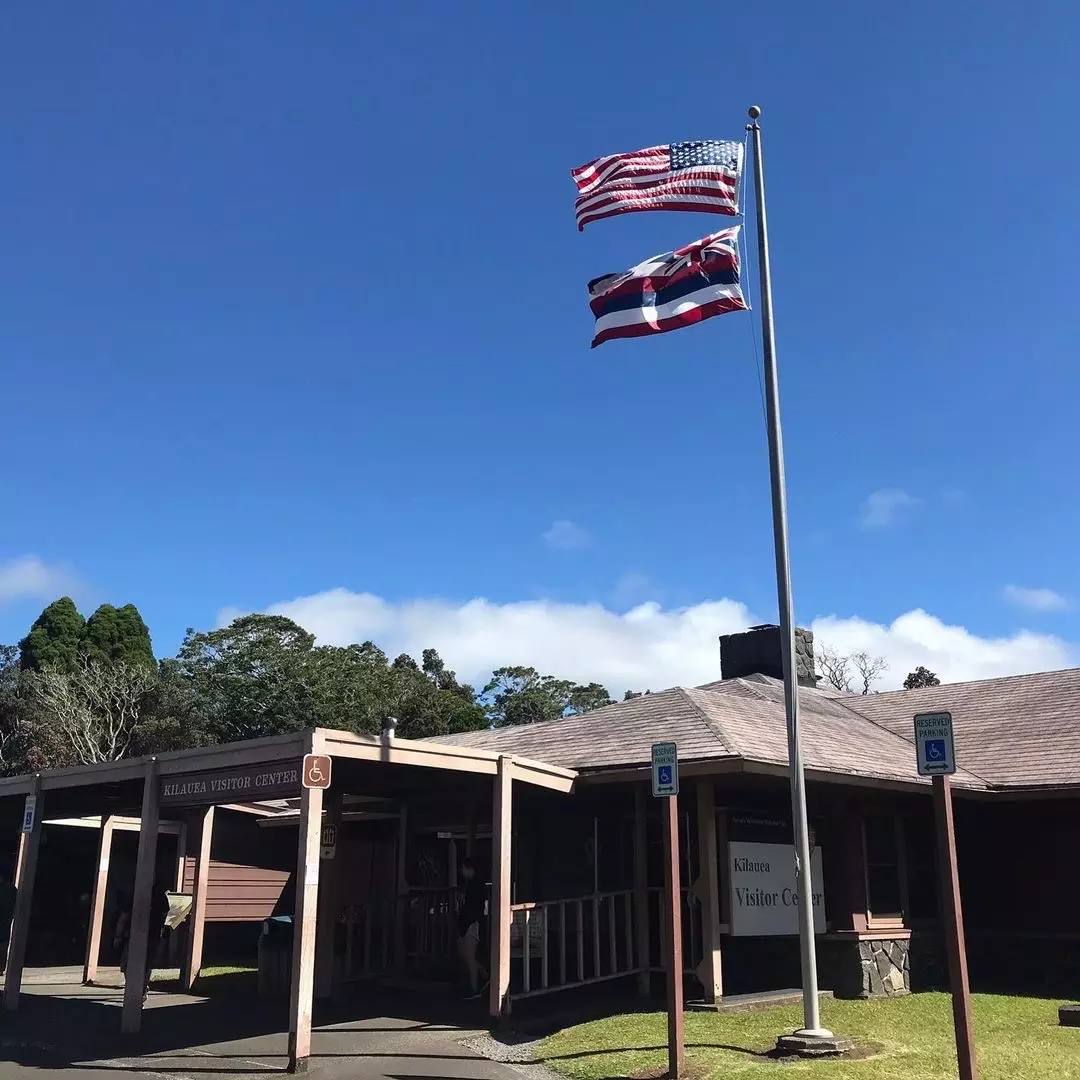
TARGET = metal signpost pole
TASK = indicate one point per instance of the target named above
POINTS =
(935, 756)
(665, 786)
(811, 1014)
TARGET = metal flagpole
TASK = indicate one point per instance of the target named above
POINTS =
(811, 1014)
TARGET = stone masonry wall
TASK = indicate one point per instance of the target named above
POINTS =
(864, 969)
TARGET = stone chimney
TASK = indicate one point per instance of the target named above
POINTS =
(757, 652)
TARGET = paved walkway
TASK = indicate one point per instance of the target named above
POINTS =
(64, 1028)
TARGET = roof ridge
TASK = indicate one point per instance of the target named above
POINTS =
(975, 682)
(716, 727)
(907, 742)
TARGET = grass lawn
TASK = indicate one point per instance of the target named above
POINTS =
(1015, 1038)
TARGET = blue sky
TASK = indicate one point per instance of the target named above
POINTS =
(292, 301)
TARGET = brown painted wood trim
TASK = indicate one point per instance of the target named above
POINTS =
(200, 895)
(502, 829)
(25, 873)
(97, 901)
(145, 864)
(305, 916)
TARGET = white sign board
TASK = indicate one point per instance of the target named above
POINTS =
(328, 842)
(665, 768)
(764, 901)
(934, 750)
(29, 813)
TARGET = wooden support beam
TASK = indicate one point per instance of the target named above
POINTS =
(673, 961)
(181, 866)
(709, 971)
(641, 886)
(305, 914)
(402, 890)
(200, 890)
(501, 826)
(329, 895)
(143, 937)
(25, 872)
(97, 902)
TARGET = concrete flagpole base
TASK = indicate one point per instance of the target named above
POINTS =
(816, 1043)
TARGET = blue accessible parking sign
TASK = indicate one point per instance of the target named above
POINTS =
(934, 751)
(665, 769)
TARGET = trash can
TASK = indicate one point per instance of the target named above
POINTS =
(275, 956)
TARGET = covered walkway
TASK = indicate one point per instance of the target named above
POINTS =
(193, 1037)
(183, 789)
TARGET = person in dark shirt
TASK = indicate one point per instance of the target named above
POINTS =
(159, 910)
(470, 920)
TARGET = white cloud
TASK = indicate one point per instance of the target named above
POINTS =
(1035, 599)
(889, 506)
(952, 652)
(28, 578)
(647, 646)
(566, 536)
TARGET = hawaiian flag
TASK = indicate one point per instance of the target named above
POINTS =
(701, 176)
(669, 291)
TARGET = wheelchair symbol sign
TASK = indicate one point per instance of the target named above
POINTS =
(665, 769)
(934, 751)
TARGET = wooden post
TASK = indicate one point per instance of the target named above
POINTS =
(673, 910)
(402, 889)
(25, 872)
(143, 937)
(305, 914)
(181, 866)
(329, 880)
(954, 931)
(97, 902)
(501, 825)
(200, 890)
(641, 887)
(709, 971)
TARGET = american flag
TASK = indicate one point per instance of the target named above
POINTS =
(701, 175)
(669, 291)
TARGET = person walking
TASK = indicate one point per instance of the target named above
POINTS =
(470, 921)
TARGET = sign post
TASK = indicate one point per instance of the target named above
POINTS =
(665, 785)
(936, 757)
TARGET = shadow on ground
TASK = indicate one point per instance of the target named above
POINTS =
(65, 1027)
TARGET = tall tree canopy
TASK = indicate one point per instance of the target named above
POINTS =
(521, 695)
(117, 635)
(921, 677)
(53, 641)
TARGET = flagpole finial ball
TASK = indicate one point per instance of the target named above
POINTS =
(754, 111)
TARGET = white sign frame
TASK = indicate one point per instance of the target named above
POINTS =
(763, 891)
(935, 750)
(665, 770)
(29, 814)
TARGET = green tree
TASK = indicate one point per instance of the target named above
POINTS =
(53, 641)
(114, 634)
(921, 677)
(521, 695)
(250, 678)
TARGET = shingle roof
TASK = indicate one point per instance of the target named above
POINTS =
(1017, 731)
(732, 719)
(620, 734)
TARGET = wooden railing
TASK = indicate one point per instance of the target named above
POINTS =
(369, 940)
(573, 942)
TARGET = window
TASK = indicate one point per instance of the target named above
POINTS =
(922, 880)
(884, 877)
